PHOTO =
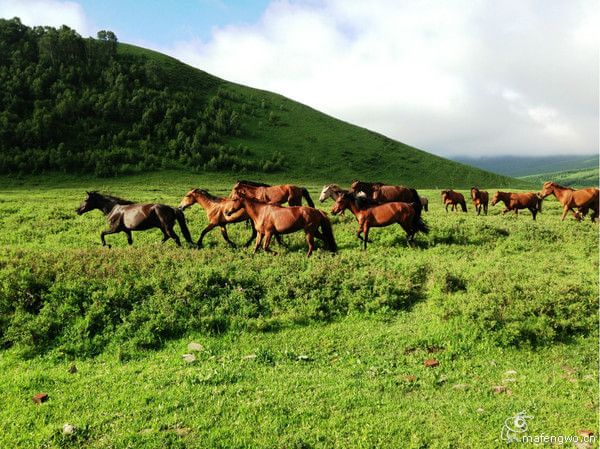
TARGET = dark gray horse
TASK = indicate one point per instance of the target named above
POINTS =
(126, 216)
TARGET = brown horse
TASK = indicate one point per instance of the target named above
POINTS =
(584, 199)
(383, 193)
(408, 216)
(126, 216)
(280, 194)
(215, 208)
(452, 198)
(272, 220)
(516, 201)
(480, 200)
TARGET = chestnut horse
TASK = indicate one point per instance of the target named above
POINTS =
(215, 213)
(480, 200)
(516, 201)
(584, 199)
(272, 220)
(452, 198)
(126, 216)
(383, 193)
(280, 194)
(407, 215)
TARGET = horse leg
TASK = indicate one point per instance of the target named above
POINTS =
(505, 210)
(533, 212)
(358, 234)
(280, 241)
(103, 233)
(410, 233)
(447, 204)
(310, 239)
(203, 233)
(259, 240)
(366, 240)
(247, 244)
(565, 212)
(129, 238)
(226, 237)
(268, 243)
(174, 236)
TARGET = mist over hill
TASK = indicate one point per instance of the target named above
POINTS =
(531, 165)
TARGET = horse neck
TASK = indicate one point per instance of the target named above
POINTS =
(559, 192)
(336, 192)
(253, 208)
(204, 201)
(356, 211)
(107, 205)
(504, 197)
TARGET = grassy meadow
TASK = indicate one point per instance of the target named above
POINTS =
(296, 352)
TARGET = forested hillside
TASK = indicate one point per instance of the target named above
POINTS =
(74, 104)
(82, 105)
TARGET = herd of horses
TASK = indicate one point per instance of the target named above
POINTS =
(373, 204)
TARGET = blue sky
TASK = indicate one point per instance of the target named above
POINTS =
(453, 77)
(165, 22)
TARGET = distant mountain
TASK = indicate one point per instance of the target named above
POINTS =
(587, 177)
(523, 166)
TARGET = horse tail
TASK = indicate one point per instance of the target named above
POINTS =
(184, 229)
(307, 197)
(327, 231)
(416, 202)
(417, 222)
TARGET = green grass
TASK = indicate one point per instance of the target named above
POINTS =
(298, 353)
(315, 145)
(573, 178)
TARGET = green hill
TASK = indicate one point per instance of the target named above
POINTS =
(96, 106)
(572, 178)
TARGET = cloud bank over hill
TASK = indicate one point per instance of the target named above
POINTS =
(456, 78)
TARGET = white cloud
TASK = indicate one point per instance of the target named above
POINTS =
(53, 13)
(454, 77)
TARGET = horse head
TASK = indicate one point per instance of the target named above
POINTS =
(548, 188)
(89, 203)
(342, 203)
(325, 192)
(189, 199)
(497, 197)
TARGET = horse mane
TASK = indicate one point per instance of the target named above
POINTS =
(556, 184)
(209, 195)
(116, 199)
(370, 184)
(252, 183)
